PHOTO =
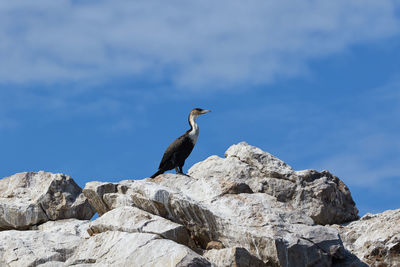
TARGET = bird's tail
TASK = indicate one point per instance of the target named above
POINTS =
(157, 173)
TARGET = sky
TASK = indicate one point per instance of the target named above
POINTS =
(98, 89)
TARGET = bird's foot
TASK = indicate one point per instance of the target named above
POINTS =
(181, 173)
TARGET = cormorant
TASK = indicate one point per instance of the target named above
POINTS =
(180, 149)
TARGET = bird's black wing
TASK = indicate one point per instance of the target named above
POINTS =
(176, 153)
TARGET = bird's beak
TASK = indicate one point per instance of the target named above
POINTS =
(205, 111)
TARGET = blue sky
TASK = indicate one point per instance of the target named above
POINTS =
(98, 89)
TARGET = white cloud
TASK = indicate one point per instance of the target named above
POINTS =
(216, 44)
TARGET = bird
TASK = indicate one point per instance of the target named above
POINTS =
(177, 152)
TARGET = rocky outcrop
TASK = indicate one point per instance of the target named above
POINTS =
(236, 256)
(115, 248)
(375, 238)
(68, 226)
(134, 220)
(67, 243)
(32, 198)
(320, 195)
(126, 236)
(36, 247)
(269, 229)
(247, 209)
(238, 201)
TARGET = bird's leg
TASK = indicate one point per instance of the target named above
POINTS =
(181, 171)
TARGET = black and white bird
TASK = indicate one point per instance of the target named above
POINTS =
(180, 149)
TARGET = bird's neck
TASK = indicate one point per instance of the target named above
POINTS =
(194, 128)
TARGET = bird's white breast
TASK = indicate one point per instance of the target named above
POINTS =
(194, 134)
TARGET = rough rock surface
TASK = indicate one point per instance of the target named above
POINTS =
(248, 209)
(321, 195)
(134, 220)
(115, 248)
(32, 198)
(35, 247)
(236, 256)
(67, 226)
(375, 238)
(268, 228)
(227, 200)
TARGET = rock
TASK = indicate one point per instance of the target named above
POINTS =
(247, 209)
(94, 194)
(134, 220)
(50, 247)
(32, 198)
(67, 226)
(375, 238)
(324, 197)
(271, 230)
(262, 161)
(321, 195)
(52, 264)
(66, 242)
(238, 257)
(115, 248)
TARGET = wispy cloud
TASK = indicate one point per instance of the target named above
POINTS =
(213, 44)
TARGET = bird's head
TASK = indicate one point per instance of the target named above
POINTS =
(198, 111)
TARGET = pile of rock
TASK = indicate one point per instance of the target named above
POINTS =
(247, 209)
(51, 210)
(375, 238)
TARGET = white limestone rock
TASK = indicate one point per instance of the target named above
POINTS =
(248, 209)
(266, 163)
(66, 226)
(270, 230)
(236, 256)
(52, 264)
(94, 193)
(250, 199)
(134, 220)
(32, 198)
(51, 246)
(324, 197)
(115, 248)
(320, 195)
(375, 238)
